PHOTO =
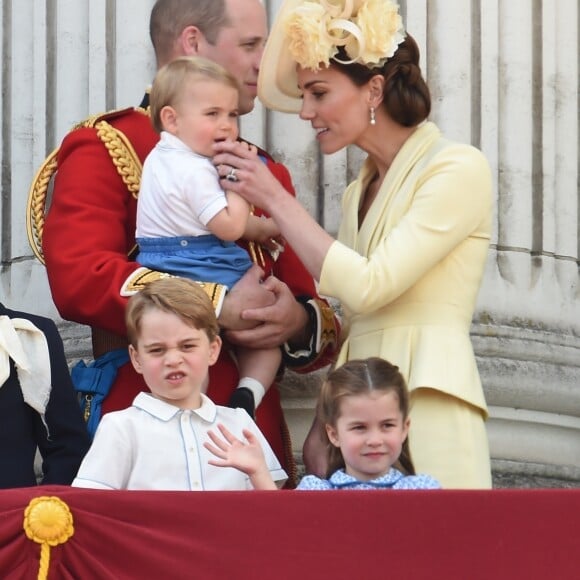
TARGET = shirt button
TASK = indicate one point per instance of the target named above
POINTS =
(183, 243)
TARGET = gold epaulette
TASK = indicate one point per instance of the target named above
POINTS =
(138, 279)
(121, 151)
(92, 121)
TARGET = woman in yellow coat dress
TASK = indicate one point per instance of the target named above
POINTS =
(413, 242)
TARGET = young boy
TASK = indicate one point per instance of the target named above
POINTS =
(158, 442)
(187, 224)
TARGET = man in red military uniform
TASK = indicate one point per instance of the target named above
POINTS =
(90, 229)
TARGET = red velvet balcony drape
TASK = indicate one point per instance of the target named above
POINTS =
(290, 534)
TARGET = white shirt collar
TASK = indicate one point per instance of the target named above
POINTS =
(170, 141)
(165, 411)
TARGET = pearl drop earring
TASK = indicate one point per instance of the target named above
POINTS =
(373, 118)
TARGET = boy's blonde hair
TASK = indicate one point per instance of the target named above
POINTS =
(178, 296)
(170, 80)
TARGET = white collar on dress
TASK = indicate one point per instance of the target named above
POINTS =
(341, 479)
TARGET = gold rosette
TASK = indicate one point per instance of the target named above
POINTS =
(48, 521)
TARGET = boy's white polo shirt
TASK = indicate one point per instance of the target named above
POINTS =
(156, 446)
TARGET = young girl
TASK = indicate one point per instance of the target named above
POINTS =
(364, 408)
(186, 223)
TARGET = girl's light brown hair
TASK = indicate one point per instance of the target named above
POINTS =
(171, 79)
(361, 377)
(178, 296)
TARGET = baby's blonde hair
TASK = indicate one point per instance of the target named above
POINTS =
(170, 80)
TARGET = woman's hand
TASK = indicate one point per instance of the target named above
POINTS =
(254, 182)
(242, 171)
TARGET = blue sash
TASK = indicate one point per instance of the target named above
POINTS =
(94, 381)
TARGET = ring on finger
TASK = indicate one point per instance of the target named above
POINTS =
(231, 176)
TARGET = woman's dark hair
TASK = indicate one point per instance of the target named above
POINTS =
(361, 377)
(406, 96)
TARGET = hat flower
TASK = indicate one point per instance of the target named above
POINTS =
(369, 30)
(309, 41)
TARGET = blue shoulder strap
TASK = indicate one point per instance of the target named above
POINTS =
(93, 382)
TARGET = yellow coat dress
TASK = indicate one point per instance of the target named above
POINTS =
(408, 278)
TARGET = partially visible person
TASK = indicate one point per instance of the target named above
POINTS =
(363, 408)
(90, 226)
(187, 225)
(416, 223)
(155, 444)
(38, 406)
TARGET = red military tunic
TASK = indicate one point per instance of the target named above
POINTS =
(89, 232)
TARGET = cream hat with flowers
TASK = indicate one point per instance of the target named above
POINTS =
(309, 34)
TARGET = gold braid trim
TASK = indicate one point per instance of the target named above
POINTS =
(328, 334)
(122, 154)
(36, 204)
(255, 250)
(216, 293)
(89, 122)
(138, 279)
